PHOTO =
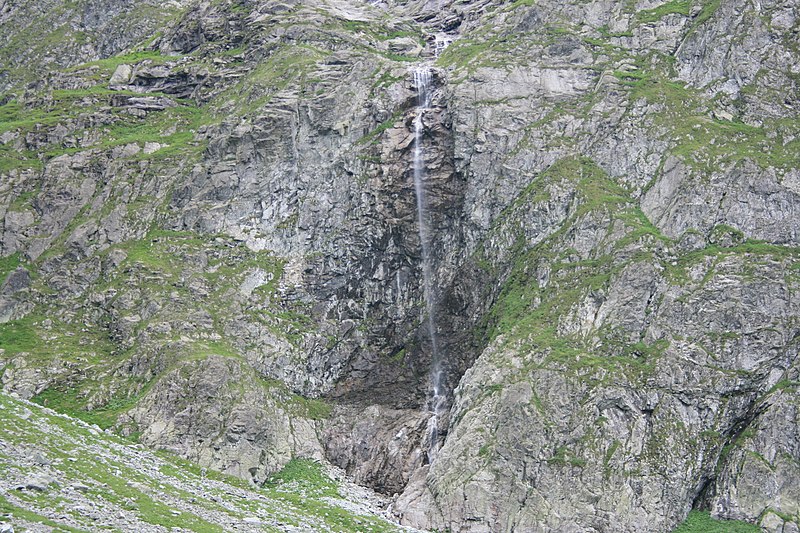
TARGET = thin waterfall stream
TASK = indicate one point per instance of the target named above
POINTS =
(436, 404)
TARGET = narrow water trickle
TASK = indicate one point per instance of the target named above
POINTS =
(436, 403)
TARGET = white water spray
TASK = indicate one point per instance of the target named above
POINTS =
(441, 41)
(423, 76)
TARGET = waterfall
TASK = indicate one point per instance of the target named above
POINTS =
(441, 42)
(436, 403)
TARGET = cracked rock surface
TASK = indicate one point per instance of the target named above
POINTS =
(209, 242)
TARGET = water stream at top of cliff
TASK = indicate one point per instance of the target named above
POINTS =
(437, 401)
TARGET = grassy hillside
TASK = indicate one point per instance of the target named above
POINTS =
(63, 473)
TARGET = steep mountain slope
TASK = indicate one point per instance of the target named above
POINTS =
(210, 242)
(63, 474)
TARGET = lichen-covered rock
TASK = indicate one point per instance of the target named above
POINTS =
(220, 414)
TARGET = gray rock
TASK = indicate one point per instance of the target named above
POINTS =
(40, 483)
(16, 281)
(40, 460)
(231, 394)
(612, 196)
(404, 45)
(80, 487)
(121, 76)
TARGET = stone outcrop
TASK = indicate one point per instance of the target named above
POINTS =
(209, 238)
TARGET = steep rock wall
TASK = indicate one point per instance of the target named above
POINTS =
(221, 219)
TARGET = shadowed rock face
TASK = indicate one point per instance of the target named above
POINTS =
(210, 240)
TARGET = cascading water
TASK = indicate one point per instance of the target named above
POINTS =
(441, 42)
(436, 404)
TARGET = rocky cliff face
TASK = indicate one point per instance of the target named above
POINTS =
(209, 240)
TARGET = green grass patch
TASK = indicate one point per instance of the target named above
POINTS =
(8, 265)
(684, 120)
(303, 482)
(678, 273)
(607, 33)
(296, 405)
(287, 67)
(701, 522)
(306, 475)
(17, 160)
(564, 457)
(382, 33)
(72, 401)
(19, 336)
(6, 508)
(23, 200)
(709, 144)
(44, 342)
(528, 315)
(465, 53)
(64, 104)
(173, 128)
(522, 3)
(314, 409)
(374, 135)
(709, 8)
(109, 65)
(680, 7)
